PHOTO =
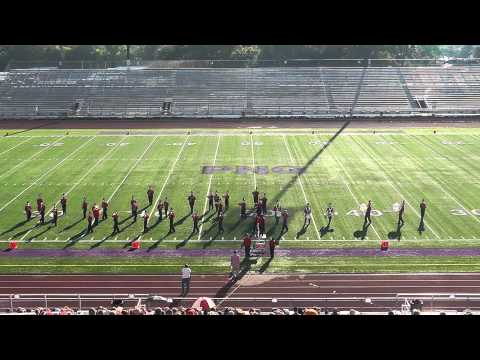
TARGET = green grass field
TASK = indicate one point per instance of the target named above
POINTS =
(392, 165)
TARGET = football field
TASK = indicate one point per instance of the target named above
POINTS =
(344, 167)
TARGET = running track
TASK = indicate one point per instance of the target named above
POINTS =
(299, 288)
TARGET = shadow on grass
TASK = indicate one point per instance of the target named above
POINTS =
(184, 242)
(39, 234)
(72, 225)
(361, 234)
(180, 221)
(325, 230)
(155, 244)
(265, 266)
(16, 226)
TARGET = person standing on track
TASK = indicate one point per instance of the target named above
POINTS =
(63, 201)
(186, 277)
(400, 214)
(171, 217)
(191, 201)
(330, 212)
(423, 208)
(255, 194)
(210, 201)
(259, 207)
(368, 214)
(55, 215)
(116, 229)
(89, 223)
(42, 212)
(195, 223)
(247, 244)
(150, 193)
(307, 212)
(234, 265)
(243, 208)
(104, 209)
(84, 207)
(145, 221)
(284, 221)
(28, 211)
(226, 199)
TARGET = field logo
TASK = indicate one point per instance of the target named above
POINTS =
(242, 169)
(181, 144)
(247, 143)
(446, 142)
(384, 142)
(363, 209)
(318, 142)
(115, 144)
(49, 144)
(463, 212)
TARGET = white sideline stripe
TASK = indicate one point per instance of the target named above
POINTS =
(276, 281)
(132, 168)
(78, 182)
(350, 190)
(384, 173)
(253, 162)
(14, 147)
(208, 189)
(166, 180)
(30, 158)
(300, 182)
(437, 181)
(48, 172)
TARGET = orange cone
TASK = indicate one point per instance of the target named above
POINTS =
(12, 245)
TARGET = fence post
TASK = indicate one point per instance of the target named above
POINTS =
(79, 302)
(46, 302)
(11, 303)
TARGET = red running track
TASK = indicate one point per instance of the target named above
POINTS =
(253, 290)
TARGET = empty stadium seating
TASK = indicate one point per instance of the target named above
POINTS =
(272, 91)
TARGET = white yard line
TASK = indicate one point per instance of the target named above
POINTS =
(78, 182)
(14, 147)
(300, 182)
(384, 172)
(442, 188)
(208, 189)
(30, 158)
(348, 187)
(253, 163)
(166, 180)
(132, 168)
(48, 172)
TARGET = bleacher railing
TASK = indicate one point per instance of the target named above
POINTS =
(431, 301)
(92, 64)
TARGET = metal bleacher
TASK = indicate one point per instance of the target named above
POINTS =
(269, 91)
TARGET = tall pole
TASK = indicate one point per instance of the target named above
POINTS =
(128, 55)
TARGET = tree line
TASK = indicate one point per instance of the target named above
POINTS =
(115, 53)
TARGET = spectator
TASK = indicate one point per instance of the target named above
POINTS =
(186, 276)
(234, 265)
